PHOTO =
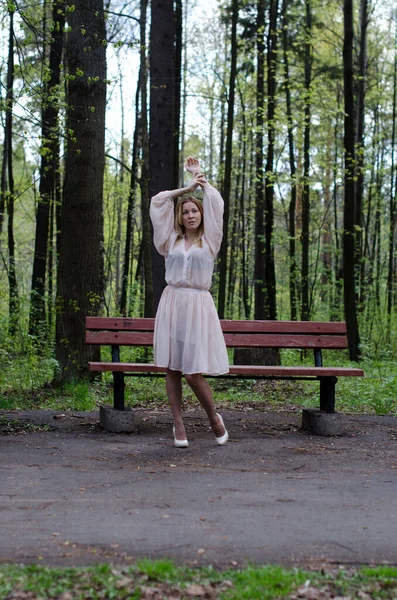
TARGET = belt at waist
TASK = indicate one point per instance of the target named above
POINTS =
(188, 289)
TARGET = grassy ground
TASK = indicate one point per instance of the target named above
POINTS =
(23, 385)
(160, 580)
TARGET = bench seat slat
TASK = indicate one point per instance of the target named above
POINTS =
(259, 340)
(233, 340)
(120, 338)
(229, 326)
(119, 324)
(301, 327)
(237, 370)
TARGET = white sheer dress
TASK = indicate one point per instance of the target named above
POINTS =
(187, 335)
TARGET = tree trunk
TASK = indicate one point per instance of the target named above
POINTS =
(271, 308)
(228, 165)
(130, 212)
(140, 93)
(349, 176)
(326, 255)
(162, 121)
(259, 266)
(80, 269)
(51, 268)
(361, 82)
(178, 83)
(392, 198)
(7, 183)
(242, 216)
(366, 270)
(264, 274)
(337, 294)
(292, 204)
(48, 168)
(305, 234)
(144, 180)
(184, 79)
(378, 222)
(233, 242)
(119, 193)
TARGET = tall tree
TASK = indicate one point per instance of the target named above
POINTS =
(392, 195)
(178, 87)
(264, 268)
(242, 215)
(7, 191)
(48, 171)
(292, 164)
(227, 178)
(360, 120)
(306, 168)
(163, 119)
(144, 179)
(130, 207)
(259, 267)
(80, 269)
(349, 179)
(271, 308)
(140, 143)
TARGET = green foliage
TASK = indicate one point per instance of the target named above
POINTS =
(24, 371)
(264, 583)
(25, 382)
(253, 582)
(163, 570)
(383, 573)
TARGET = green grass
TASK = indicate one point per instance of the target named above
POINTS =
(24, 385)
(163, 579)
(264, 584)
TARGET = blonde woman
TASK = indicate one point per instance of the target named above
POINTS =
(188, 338)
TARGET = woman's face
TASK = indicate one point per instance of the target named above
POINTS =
(191, 216)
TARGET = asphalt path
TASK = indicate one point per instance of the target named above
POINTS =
(72, 494)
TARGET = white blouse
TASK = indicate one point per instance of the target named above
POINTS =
(192, 268)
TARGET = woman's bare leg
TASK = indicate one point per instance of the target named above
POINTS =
(173, 384)
(202, 390)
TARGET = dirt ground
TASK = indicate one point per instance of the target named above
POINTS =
(72, 494)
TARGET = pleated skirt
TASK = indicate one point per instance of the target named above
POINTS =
(187, 334)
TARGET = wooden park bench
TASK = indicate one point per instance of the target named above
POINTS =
(308, 335)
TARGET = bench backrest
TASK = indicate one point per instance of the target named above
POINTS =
(238, 334)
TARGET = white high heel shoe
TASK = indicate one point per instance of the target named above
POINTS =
(179, 443)
(223, 439)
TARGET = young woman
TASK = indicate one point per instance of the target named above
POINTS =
(188, 338)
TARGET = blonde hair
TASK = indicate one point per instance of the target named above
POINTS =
(179, 227)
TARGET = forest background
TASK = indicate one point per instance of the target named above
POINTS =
(290, 107)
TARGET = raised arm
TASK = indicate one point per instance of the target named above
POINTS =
(162, 217)
(162, 214)
(213, 217)
(212, 207)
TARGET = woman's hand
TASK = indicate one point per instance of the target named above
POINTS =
(192, 165)
(202, 181)
(197, 180)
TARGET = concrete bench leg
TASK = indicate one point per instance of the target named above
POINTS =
(321, 423)
(117, 419)
(324, 421)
